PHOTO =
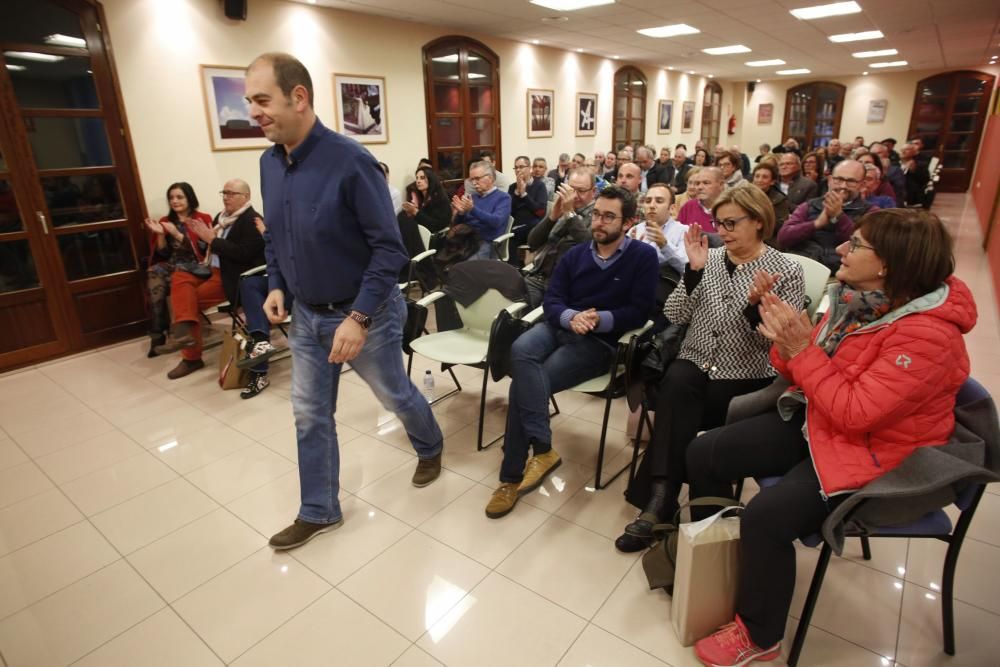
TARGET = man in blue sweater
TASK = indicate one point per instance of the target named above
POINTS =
(487, 210)
(599, 290)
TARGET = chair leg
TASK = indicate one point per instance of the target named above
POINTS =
(482, 409)
(555, 407)
(643, 418)
(738, 492)
(948, 595)
(604, 438)
(866, 548)
(810, 605)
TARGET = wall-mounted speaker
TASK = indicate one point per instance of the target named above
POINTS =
(751, 86)
(235, 9)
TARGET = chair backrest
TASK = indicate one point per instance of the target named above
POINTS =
(816, 276)
(478, 316)
(503, 251)
(425, 236)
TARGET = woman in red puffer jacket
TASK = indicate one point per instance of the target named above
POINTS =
(876, 379)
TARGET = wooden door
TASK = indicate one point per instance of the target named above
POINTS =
(949, 113)
(813, 112)
(462, 89)
(711, 114)
(72, 210)
(630, 108)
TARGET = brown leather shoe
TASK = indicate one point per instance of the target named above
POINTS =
(503, 500)
(185, 368)
(427, 471)
(174, 343)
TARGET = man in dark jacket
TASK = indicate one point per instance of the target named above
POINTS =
(237, 245)
(528, 198)
(796, 187)
(675, 174)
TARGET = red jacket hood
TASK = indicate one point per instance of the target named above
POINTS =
(959, 308)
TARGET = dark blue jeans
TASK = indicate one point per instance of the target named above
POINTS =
(544, 361)
(253, 292)
(314, 398)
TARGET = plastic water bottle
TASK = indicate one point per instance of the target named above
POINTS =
(429, 386)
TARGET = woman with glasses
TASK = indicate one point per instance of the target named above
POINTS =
(723, 353)
(875, 380)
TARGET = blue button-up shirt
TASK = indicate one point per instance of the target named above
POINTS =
(331, 234)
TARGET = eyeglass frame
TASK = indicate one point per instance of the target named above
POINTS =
(233, 193)
(595, 214)
(846, 181)
(853, 244)
(730, 224)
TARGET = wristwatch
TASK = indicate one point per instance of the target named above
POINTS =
(364, 320)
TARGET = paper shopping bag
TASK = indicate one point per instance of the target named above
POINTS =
(707, 574)
(234, 348)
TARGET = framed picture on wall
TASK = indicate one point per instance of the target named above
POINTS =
(765, 114)
(540, 103)
(230, 127)
(665, 117)
(876, 110)
(360, 109)
(586, 114)
(687, 119)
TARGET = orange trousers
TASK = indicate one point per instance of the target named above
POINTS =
(189, 295)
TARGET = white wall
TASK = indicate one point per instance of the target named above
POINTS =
(899, 88)
(158, 46)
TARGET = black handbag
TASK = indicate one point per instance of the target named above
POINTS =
(659, 351)
(505, 330)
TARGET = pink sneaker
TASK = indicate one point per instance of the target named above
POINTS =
(731, 646)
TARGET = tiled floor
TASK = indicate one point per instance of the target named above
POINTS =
(134, 513)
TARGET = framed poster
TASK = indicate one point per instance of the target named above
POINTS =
(540, 103)
(586, 114)
(359, 102)
(687, 119)
(665, 117)
(765, 114)
(876, 110)
(227, 113)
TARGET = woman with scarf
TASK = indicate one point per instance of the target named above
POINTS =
(876, 379)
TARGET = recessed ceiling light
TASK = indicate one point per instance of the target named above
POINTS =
(31, 55)
(894, 63)
(711, 76)
(822, 11)
(579, 50)
(570, 5)
(535, 41)
(758, 80)
(670, 68)
(725, 50)
(669, 30)
(875, 54)
(66, 40)
(616, 57)
(690, 71)
(864, 74)
(16, 68)
(312, 2)
(856, 36)
(764, 63)
(786, 72)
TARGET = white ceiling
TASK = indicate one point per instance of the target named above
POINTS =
(928, 33)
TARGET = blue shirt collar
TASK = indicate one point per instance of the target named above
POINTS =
(302, 151)
(617, 253)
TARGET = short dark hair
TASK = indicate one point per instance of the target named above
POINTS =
(916, 248)
(488, 153)
(188, 193)
(628, 200)
(385, 168)
(522, 157)
(289, 72)
(665, 186)
(684, 146)
(767, 166)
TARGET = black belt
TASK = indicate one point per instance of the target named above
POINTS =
(329, 307)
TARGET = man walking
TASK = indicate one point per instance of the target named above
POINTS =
(332, 242)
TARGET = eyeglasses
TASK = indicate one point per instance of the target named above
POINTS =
(476, 179)
(231, 193)
(845, 181)
(729, 224)
(582, 191)
(854, 244)
(522, 166)
(607, 217)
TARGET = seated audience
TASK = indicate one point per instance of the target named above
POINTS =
(650, 168)
(394, 194)
(172, 242)
(599, 291)
(659, 229)
(890, 145)
(792, 146)
(868, 400)
(538, 168)
(796, 187)
(609, 169)
(487, 210)
(690, 189)
(915, 177)
(709, 184)
(630, 177)
(578, 160)
(499, 178)
(702, 158)
(765, 177)
(566, 225)
(723, 354)
(833, 155)
(675, 172)
(729, 163)
(764, 150)
(427, 207)
(558, 175)
(624, 157)
(812, 167)
(528, 198)
(744, 160)
(890, 172)
(237, 244)
(816, 228)
(875, 190)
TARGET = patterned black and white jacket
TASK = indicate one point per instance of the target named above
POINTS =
(720, 338)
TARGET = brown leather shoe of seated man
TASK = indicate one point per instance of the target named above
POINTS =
(185, 368)
(178, 338)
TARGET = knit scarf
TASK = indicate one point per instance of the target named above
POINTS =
(853, 309)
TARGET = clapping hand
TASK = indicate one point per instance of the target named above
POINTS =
(696, 245)
(201, 230)
(170, 228)
(154, 226)
(833, 205)
(258, 222)
(763, 283)
(788, 329)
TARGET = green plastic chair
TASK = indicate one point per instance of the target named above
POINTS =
(817, 277)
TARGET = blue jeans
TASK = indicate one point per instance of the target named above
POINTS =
(314, 397)
(544, 361)
(253, 292)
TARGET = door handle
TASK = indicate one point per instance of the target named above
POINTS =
(41, 221)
